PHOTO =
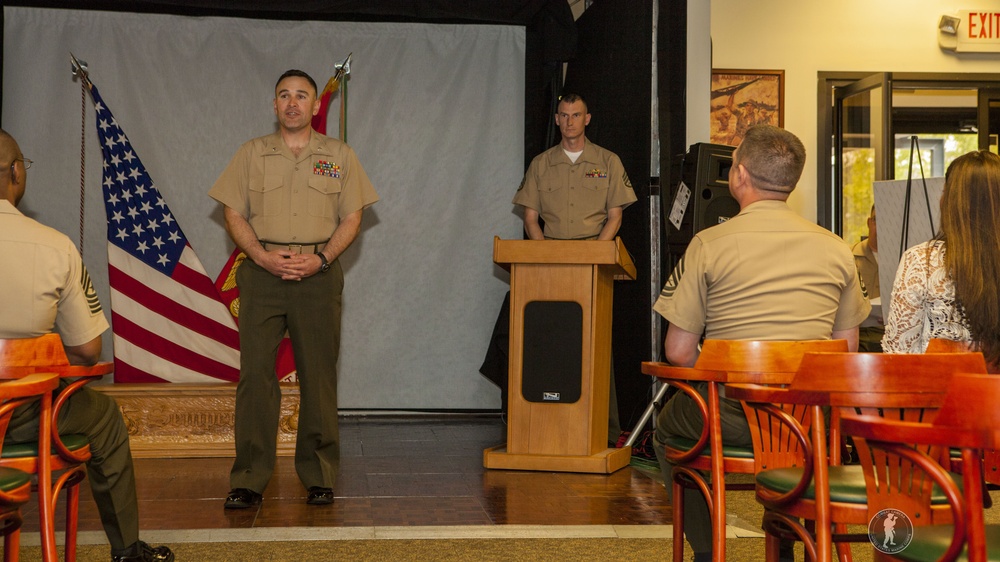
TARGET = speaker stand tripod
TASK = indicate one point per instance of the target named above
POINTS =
(655, 333)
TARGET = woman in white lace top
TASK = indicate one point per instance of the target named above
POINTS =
(947, 288)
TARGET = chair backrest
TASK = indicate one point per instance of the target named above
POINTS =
(766, 363)
(44, 350)
(23, 356)
(883, 380)
(968, 418)
(902, 387)
(761, 362)
(938, 345)
(971, 402)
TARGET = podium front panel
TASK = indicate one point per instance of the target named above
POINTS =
(547, 428)
(552, 360)
(546, 276)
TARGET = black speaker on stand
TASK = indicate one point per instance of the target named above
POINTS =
(701, 199)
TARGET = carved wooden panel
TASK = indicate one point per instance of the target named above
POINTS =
(192, 420)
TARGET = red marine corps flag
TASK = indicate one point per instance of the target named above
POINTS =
(226, 282)
(168, 322)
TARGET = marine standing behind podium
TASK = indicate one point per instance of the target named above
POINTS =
(293, 203)
(579, 190)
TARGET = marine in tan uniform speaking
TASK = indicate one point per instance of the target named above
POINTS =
(293, 203)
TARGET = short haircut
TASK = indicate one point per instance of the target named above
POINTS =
(773, 157)
(570, 97)
(300, 74)
(8, 147)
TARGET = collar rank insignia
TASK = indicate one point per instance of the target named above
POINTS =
(328, 169)
(597, 173)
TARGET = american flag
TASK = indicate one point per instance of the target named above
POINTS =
(168, 321)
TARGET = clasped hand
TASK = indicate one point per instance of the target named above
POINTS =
(290, 266)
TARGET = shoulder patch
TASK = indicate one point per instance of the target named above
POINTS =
(88, 290)
(675, 277)
(625, 179)
(524, 179)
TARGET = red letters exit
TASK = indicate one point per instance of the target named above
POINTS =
(984, 25)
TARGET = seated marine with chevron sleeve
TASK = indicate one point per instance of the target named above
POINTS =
(46, 289)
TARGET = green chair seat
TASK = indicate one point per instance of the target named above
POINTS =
(847, 484)
(12, 479)
(684, 444)
(930, 542)
(73, 442)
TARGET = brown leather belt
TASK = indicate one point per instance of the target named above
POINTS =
(311, 248)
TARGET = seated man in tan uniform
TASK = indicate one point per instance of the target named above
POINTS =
(866, 259)
(46, 289)
(766, 274)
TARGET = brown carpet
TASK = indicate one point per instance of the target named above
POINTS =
(514, 550)
(744, 512)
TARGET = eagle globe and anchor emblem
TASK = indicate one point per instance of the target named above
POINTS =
(890, 531)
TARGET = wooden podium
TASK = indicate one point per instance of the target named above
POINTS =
(560, 296)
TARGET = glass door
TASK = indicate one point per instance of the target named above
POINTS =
(989, 119)
(863, 150)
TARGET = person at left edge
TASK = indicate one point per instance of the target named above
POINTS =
(293, 202)
(46, 289)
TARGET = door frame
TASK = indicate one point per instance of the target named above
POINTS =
(828, 205)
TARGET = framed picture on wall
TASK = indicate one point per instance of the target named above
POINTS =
(743, 98)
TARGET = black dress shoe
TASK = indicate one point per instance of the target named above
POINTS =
(142, 552)
(242, 498)
(320, 496)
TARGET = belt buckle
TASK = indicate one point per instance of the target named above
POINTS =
(295, 248)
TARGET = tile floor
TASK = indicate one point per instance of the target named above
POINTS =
(396, 473)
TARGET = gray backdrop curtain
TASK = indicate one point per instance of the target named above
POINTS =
(435, 115)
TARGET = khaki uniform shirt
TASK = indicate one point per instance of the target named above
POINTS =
(767, 273)
(573, 199)
(294, 200)
(867, 266)
(46, 287)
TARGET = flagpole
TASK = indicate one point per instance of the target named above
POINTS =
(342, 72)
(79, 69)
(343, 111)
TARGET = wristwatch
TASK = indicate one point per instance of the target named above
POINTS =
(326, 265)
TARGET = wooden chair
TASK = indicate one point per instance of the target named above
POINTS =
(938, 345)
(722, 362)
(15, 485)
(991, 457)
(968, 420)
(822, 492)
(69, 452)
